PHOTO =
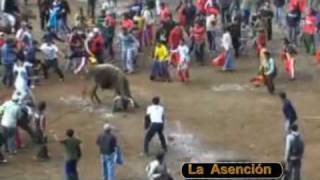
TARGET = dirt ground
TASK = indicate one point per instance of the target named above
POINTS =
(218, 116)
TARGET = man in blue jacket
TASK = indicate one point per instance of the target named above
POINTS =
(8, 57)
(288, 111)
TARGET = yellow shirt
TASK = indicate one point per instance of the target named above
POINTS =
(161, 53)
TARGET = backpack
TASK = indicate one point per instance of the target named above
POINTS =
(297, 147)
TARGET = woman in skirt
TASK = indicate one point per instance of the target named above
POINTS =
(160, 66)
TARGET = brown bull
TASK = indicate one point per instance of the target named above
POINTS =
(107, 76)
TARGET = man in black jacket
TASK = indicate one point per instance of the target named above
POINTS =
(44, 6)
(107, 144)
(288, 111)
(65, 12)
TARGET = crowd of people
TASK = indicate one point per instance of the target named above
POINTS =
(178, 35)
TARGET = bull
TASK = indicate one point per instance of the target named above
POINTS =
(107, 76)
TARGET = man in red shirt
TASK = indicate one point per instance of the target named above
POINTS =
(175, 36)
(96, 45)
(109, 19)
(127, 23)
(198, 41)
(309, 31)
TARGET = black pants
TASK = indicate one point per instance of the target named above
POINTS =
(270, 84)
(100, 57)
(199, 52)
(109, 47)
(269, 29)
(53, 63)
(155, 128)
(294, 167)
(211, 40)
(44, 17)
(236, 45)
(1, 154)
(8, 77)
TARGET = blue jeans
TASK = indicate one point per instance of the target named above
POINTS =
(280, 16)
(10, 137)
(229, 60)
(70, 170)
(8, 76)
(108, 166)
(127, 56)
(293, 34)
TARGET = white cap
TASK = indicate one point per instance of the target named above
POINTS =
(96, 30)
(107, 127)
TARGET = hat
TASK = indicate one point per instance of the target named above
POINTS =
(107, 127)
(96, 30)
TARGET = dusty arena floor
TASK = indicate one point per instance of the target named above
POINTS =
(217, 116)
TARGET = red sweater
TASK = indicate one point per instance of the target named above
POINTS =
(127, 23)
(175, 37)
(198, 33)
(97, 44)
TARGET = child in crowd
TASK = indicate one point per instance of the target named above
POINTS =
(184, 61)
(286, 55)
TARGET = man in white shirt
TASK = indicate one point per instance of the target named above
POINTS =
(227, 45)
(155, 116)
(51, 53)
(149, 18)
(211, 21)
(9, 111)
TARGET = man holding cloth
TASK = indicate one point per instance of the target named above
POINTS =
(155, 118)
